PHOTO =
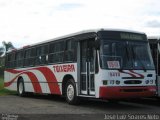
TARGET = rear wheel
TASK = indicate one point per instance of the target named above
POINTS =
(71, 96)
(20, 88)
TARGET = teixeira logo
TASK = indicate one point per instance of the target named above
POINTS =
(64, 68)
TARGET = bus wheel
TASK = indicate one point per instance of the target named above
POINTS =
(20, 88)
(71, 96)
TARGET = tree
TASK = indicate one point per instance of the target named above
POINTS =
(2, 50)
(6, 47)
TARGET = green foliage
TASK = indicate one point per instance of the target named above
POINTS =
(7, 46)
(7, 92)
(4, 91)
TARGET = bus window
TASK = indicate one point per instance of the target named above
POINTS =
(19, 59)
(41, 55)
(56, 52)
(70, 51)
(29, 57)
(10, 60)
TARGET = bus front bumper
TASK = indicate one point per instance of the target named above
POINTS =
(121, 92)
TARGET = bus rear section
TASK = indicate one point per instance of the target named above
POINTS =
(105, 64)
(155, 50)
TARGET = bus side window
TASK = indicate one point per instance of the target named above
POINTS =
(56, 51)
(38, 57)
(11, 60)
(8, 60)
(50, 56)
(26, 56)
(70, 51)
(19, 59)
(59, 51)
(41, 53)
(29, 57)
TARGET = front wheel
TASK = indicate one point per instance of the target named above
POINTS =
(20, 88)
(71, 96)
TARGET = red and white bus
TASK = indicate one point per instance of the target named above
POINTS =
(155, 50)
(105, 64)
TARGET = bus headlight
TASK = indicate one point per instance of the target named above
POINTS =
(117, 82)
(147, 81)
(151, 81)
(105, 82)
(111, 82)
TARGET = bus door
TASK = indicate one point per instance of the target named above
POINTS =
(87, 67)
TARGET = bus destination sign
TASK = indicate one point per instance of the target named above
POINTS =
(130, 36)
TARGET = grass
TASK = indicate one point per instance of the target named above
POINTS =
(4, 91)
(7, 92)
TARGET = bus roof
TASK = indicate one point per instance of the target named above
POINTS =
(90, 32)
(154, 39)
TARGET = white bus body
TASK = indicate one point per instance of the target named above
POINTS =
(106, 64)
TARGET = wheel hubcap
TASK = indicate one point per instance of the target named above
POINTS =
(20, 87)
(70, 92)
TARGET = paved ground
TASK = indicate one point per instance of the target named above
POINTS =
(49, 107)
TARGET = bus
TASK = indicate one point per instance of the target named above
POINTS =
(154, 42)
(107, 64)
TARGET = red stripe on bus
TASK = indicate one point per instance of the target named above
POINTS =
(132, 75)
(35, 82)
(51, 80)
(14, 71)
(49, 76)
(140, 75)
(32, 77)
(6, 84)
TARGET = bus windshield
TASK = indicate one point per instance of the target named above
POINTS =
(125, 55)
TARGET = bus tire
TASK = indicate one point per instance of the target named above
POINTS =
(21, 88)
(71, 96)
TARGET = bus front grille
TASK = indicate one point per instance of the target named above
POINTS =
(132, 82)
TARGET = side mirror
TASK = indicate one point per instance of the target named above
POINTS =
(97, 44)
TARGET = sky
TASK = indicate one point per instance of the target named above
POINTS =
(25, 22)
